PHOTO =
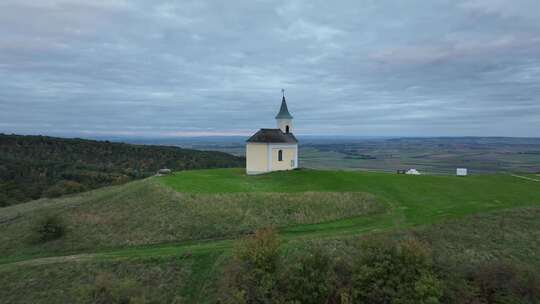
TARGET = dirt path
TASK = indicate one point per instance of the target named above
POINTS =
(524, 177)
(52, 260)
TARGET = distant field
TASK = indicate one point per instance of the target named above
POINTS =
(440, 155)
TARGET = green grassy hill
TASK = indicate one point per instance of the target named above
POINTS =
(414, 199)
(177, 231)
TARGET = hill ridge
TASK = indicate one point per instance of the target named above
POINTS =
(41, 166)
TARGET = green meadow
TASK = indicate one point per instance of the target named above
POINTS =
(412, 199)
(177, 231)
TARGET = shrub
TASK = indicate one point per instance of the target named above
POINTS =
(498, 282)
(107, 289)
(64, 187)
(310, 278)
(4, 200)
(49, 228)
(388, 272)
(259, 251)
(377, 271)
(488, 283)
(251, 278)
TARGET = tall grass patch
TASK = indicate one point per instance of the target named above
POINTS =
(146, 212)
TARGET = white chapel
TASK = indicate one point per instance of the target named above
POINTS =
(273, 149)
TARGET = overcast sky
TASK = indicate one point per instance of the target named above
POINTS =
(366, 68)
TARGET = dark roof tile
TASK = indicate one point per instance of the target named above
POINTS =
(272, 136)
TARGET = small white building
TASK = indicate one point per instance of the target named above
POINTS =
(412, 172)
(273, 149)
(461, 171)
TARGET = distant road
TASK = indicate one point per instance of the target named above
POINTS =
(527, 178)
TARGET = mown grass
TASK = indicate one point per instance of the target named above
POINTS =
(416, 199)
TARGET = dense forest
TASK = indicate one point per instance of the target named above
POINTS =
(32, 167)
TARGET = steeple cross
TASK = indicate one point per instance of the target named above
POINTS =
(283, 92)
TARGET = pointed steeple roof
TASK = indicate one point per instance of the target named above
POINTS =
(284, 111)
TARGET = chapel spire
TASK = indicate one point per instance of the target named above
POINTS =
(283, 110)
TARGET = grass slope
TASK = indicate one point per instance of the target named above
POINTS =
(117, 230)
(146, 212)
(224, 203)
(416, 199)
(166, 274)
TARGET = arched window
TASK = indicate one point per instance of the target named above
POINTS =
(287, 129)
(280, 155)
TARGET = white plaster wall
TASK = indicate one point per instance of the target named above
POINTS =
(290, 157)
(256, 158)
(282, 123)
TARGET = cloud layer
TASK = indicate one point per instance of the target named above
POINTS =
(149, 68)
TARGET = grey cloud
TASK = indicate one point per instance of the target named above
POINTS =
(210, 67)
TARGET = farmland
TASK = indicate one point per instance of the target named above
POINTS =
(434, 155)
